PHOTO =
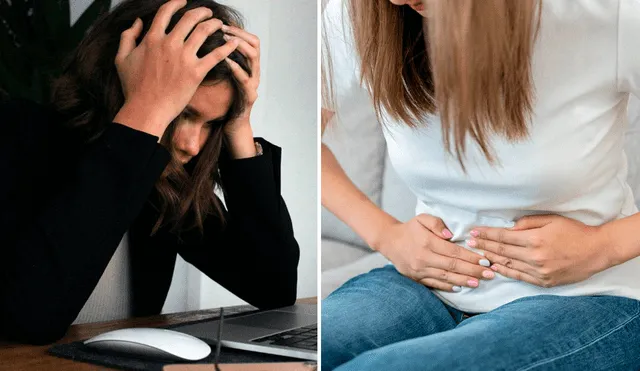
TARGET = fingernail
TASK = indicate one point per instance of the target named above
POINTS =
(472, 283)
(457, 288)
(446, 233)
(224, 27)
(494, 267)
(474, 233)
(488, 274)
(226, 37)
(511, 225)
(471, 243)
(484, 262)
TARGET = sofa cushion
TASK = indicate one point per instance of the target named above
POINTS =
(336, 253)
(334, 278)
(357, 142)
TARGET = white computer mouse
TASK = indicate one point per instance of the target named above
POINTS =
(152, 343)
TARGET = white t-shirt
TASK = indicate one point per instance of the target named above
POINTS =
(586, 62)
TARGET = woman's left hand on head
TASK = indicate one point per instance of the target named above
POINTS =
(249, 46)
(544, 250)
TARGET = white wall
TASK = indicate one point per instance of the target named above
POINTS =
(286, 115)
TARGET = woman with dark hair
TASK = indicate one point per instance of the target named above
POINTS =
(149, 117)
(506, 119)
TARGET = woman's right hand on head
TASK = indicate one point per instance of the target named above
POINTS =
(420, 250)
(160, 75)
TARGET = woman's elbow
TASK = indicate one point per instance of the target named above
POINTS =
(280, 291)
(276, 300)
(286, 297)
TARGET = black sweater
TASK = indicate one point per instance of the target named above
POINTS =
(66, 205)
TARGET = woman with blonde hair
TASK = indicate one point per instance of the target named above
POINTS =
(507, 120)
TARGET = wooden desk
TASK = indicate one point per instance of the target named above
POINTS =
(25, 357)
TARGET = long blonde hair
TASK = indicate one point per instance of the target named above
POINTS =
(469, 62)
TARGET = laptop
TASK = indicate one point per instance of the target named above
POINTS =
(289, 331)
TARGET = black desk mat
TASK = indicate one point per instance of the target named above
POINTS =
(77, 351)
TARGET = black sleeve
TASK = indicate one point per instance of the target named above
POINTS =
(255, 256)
(61, 252)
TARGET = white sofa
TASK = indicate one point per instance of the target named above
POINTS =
(361, 151)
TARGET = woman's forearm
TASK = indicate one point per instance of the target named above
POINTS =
(620, 239)
(349, 204)
(241, 142)
(258, 235)
(138, 117)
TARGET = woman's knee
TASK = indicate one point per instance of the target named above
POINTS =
(382, 284)
(373, 297)
(376, 309)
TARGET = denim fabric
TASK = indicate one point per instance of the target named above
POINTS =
(382, 320)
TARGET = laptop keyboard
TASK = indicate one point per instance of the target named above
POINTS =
(301, 337)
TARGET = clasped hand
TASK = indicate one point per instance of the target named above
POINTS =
(420, 250)
(544, 250)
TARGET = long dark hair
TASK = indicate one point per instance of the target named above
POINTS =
(89, 93)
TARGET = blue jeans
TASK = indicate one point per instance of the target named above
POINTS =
(382, 320)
